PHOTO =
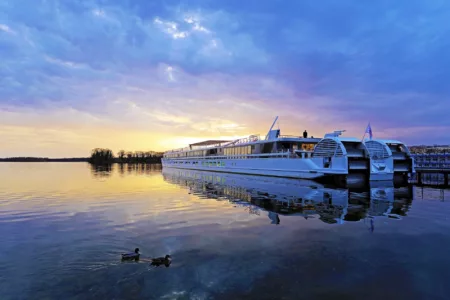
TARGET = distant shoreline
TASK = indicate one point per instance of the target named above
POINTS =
(74, 159)
(44, 159)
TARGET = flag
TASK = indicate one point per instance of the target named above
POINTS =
(369, 130)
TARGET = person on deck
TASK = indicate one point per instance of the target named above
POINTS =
(305, 134)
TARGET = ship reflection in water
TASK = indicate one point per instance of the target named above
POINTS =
(308, 199)
(229, 236)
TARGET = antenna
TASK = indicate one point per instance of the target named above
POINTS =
(336, 133)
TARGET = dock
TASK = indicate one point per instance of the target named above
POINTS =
(432, 163)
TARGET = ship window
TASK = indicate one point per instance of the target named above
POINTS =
(328, 148)
(267, 148)
(376, 150)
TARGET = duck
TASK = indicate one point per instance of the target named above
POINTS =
(128, 256)
(166, 260)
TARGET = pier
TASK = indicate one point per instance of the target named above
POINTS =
(434, 163)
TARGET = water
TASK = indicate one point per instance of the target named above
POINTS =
(64, 225)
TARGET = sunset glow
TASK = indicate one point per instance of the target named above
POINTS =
(156, 75)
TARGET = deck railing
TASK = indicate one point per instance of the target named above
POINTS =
(286, 154)
(246, 140)
(290, 136)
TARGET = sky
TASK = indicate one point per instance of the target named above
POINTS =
(155, 75)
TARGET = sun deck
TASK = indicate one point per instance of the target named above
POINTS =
(248, 147)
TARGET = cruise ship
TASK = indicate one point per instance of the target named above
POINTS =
(277, 155)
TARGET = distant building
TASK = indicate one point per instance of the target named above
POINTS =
(424, 149)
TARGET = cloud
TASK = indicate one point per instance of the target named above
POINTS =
(5, 28)
(191, 67)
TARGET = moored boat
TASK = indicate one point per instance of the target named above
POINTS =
(283, 156)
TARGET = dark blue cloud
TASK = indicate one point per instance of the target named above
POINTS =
(351, 60)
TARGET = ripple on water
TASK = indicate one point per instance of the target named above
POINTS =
(63, 237)
(6, 217)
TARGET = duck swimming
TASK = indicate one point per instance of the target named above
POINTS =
(129, 256)
(166, 260)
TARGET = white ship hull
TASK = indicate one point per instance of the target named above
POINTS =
(277, 167)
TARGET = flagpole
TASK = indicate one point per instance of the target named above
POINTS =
(365, 132)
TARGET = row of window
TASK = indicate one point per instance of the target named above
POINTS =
(202, 163)
(237, 150)
(442, 165)
(184, 154)
(242, 150)
(432, 160)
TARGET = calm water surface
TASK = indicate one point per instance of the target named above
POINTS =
(64, 225)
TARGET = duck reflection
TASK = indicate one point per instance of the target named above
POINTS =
(309, 199)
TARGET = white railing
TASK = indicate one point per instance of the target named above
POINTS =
(303, 154)
(236, 156)
(178, 150)
(286, 154)
(246, 140)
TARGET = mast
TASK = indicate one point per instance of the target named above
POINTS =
(273, 124)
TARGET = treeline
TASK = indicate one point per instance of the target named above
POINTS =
(106, 156)
(43, 159)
